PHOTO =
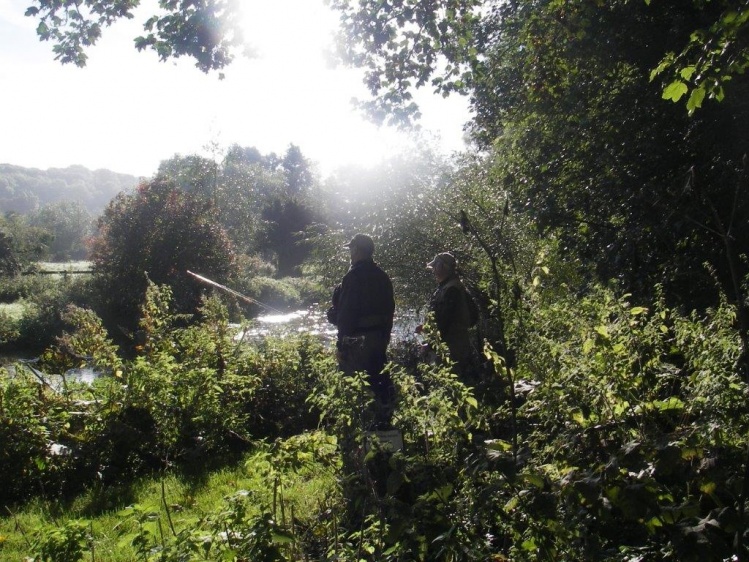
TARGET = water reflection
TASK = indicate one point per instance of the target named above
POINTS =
(311, 321)
(57, 382)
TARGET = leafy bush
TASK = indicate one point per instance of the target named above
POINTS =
(621, 450)
(279, 293)
(23, 434)
(158, 233)
(8, 327)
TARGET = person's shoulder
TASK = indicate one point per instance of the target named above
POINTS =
(452, 290)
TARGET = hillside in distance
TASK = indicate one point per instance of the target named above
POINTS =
(26, 190)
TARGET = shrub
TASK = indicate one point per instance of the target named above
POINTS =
(158, 233)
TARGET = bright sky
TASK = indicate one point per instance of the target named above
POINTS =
(126, 111)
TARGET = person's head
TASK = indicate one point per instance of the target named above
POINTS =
(361, 247)
(443, 266)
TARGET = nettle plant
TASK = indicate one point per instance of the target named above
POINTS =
(633, 436)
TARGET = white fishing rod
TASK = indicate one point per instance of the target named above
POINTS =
(234, 293)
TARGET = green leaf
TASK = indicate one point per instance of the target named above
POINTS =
(637, 310)
(536, 480)
(695, 99)
(675, 90)
(588, 346)
(603, 332)
(672, 403)
(498, 445)
(42, 30)
(282, 537)
(687, 72)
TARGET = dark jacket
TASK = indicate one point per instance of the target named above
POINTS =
(364, 303)
(451, 305)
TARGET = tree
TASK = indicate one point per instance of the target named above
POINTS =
(404, 45)
(205, 30)
(586, 146)
(160, 232)
(262, 201)
(70, 225)
(299, 176)
(280, 239)
(239, 188)
(20, 244)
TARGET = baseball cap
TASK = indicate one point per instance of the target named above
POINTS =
(446, 258)
(363, 242)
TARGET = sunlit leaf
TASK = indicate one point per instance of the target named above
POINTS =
(282, 537)
(695, 99)
(687, 72)
(675, 90)
(672, 403)
(588, 346)
(536, 480)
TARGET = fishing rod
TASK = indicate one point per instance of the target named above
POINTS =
(233, 292)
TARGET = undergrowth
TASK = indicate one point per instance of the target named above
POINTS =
(617, 433)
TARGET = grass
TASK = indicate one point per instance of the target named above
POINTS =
(108, 514)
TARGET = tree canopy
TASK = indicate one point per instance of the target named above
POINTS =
(204, 30)
(26, 190)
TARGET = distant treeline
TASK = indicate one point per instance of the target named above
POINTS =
(26, 190)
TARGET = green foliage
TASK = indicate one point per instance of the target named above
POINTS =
(8, 326)
(20, 244)
(23, 434)
(42, 315)
(620, 433)
(710, 59)
(264, 202)
(70, 225)
(27, 190)
(163, 232)
(88, 344)
(287, 370)
(284, 219)
(64, 544)
(407, 45)
(204, 31)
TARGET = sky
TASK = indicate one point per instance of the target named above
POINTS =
(126, 111)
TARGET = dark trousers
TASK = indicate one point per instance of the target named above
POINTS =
(367, 352)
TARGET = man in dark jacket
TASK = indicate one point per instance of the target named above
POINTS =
(455, 313)
(363, 308)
